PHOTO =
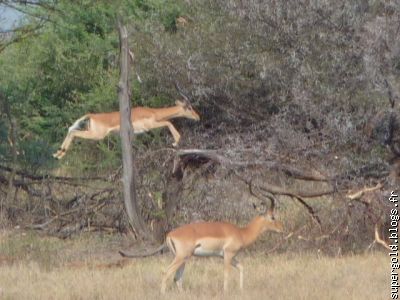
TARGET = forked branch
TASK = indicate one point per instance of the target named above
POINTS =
(269, 193)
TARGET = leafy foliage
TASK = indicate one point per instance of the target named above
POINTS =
(69, 68)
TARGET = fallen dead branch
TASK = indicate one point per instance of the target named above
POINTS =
(297, 194)
(214, 155)
(27, 175)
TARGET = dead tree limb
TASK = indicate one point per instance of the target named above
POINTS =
(297, 194)
(48, 176)
(276, 190)
(215, 156)
(92, 209)
(309, 208)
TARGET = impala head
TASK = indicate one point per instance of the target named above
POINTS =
(270, 222)
(268, 218)
(187, 110)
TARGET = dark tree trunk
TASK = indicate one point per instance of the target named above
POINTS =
(4, 105)
(126, 132)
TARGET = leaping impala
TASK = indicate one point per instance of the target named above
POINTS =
(98, 126)
(219, 239)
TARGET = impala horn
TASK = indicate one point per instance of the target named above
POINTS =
(261, 196)
(185, 97)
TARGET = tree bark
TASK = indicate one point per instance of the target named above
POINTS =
(126, 133)
(12, 139)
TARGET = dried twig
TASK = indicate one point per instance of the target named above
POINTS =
(379, 240)
(357, 195)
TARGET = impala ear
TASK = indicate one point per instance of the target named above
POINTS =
(270, 214)
(259, 208)
(179, 103)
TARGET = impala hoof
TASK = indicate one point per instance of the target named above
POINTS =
(59, 154)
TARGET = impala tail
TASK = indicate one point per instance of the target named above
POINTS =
(80, 124)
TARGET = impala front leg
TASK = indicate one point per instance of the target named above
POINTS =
(228, 257)
(171, 128)
(238, 266)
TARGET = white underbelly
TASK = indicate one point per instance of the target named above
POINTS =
(135, 131)
(199, 251)
(139, 127)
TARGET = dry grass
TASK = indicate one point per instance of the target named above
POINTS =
(286, 276)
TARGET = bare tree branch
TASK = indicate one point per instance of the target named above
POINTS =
(297, 194)
(223, 160)
(357, 195)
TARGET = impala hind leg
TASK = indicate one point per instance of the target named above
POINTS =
(61, 151)
(84, 134)
(172, 268)
(176, 264)
(179, 277)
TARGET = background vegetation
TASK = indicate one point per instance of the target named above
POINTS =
(285, 89)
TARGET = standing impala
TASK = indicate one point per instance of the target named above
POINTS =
(219, 239)
(98, 126)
